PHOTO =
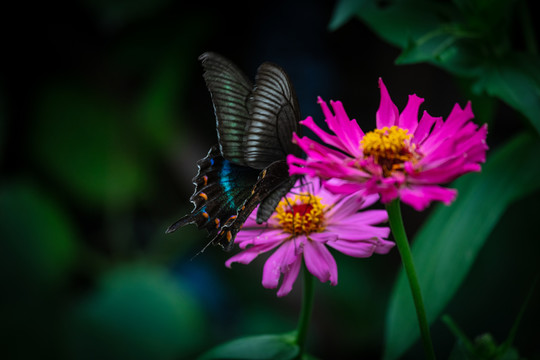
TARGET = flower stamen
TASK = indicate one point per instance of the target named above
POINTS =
(389, 147)
(301, 214)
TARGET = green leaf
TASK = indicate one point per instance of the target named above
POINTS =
(429, 47)
(397, 23)
(37, 243)
(259, 347)
(448, 46)
(82, 139)
(344, 11)
(516, 81)
(447, 244)
(402, 22)
(136, 312)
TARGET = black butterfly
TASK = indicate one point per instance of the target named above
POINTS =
(254, 126)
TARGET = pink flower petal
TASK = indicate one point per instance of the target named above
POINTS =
(246, 256)
(346, 130)
(369, 217)
(419, 197)
(388, 113)
(353, 231)
(408, 119)
(388, 193)
(344, 188)
(324, 136)
(323, 237)
(279, 262)
(363, 249)
(318, 151)
(261, 237)
(457, 118)
(348, 133)
(369, 200)
(424, 127)
(359, 249)
(320, 262)
(289, 277)
(346, 207)
(384, 246)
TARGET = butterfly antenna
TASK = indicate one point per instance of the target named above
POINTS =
(302, 184)
(201, 251)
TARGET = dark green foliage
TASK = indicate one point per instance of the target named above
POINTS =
(468, 38)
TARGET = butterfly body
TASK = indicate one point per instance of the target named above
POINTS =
(247, 168)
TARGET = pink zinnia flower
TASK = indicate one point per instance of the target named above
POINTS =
(303, 228)
(403, 158)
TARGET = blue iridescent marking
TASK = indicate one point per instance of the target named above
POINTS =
(226, 182)
(211, 161)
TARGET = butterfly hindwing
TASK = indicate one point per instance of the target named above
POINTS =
(221, 188)
(274, 180)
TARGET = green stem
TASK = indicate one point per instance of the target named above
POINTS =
(398, 230)
(305, 312)
(458, 333)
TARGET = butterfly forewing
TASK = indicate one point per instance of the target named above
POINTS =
(230, 90)
(274, 117)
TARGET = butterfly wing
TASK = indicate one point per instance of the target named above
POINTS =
(274, 117)
(254, 131)
(271, 201)
(270, 181)
(230, 90)
(221, 189)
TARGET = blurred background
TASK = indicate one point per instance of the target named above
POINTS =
(104, 113)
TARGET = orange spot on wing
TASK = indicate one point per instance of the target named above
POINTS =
(204, 196)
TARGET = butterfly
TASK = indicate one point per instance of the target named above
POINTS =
(248, 166)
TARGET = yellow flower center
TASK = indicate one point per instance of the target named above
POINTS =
(301, 214)
(389, 147)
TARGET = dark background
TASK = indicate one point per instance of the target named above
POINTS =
(105, 114)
